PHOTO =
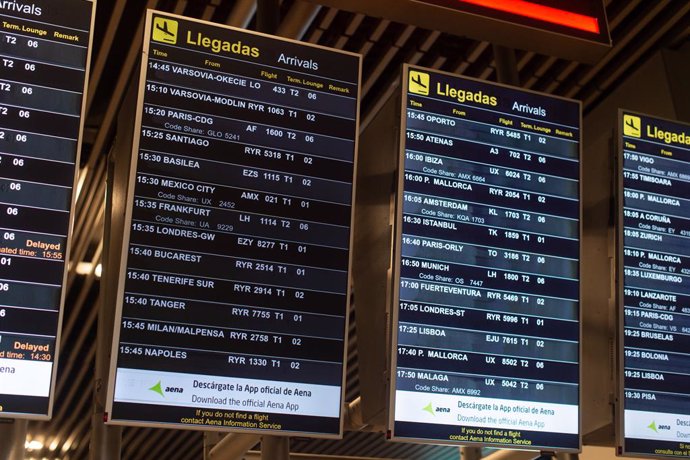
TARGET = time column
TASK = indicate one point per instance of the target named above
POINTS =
(43, 55)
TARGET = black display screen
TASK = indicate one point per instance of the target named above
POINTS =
(234, 286)
(654, 299)
(44, 49)
(486, 319)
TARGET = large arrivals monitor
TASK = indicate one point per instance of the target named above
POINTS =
(234, 291)
(486, 330)
(654, 287)
(44, 55)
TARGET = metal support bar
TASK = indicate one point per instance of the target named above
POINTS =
(506, 65)
(267, 16)
(505, 454)
(211, 440)
(233, 446)
(470, 453)
(275, 448)
(567, 456)
(242, 13)
(106, 441)
(298, 19)
(371, 264)
(254, 455)
(354, 418)
(12, 439)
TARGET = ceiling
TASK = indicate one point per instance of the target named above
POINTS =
(639, 28)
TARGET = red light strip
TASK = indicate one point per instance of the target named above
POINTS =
(541, 12)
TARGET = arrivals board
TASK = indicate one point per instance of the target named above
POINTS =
(234, 283)
(486, 316)
(654, 287)
(44, 55)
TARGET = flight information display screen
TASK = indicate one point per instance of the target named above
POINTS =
(44, 53)
(234, 283)
(654, 296)
(486, 318)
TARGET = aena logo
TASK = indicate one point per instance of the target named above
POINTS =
(656, 428)
(158, 388)
(430, 409)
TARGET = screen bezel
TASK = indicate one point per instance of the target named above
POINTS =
(68, 239)
(619, 412)
(396, 264)
(127, 230)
